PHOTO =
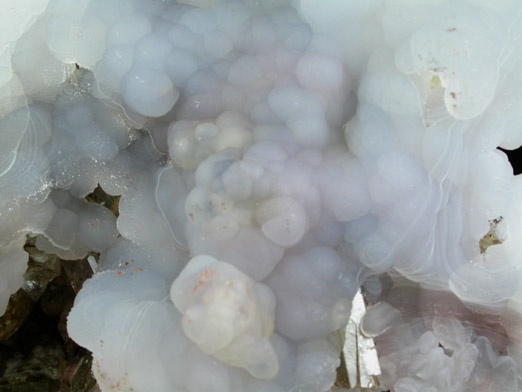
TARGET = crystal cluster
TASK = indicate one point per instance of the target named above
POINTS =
(270, 157)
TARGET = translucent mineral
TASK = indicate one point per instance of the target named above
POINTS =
(269, 158)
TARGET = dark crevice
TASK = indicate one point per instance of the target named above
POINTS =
(515, 158)
(36, 354)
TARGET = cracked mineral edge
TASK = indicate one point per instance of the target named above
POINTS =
(359, 353)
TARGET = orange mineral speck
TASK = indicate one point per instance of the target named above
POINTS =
(204, 277)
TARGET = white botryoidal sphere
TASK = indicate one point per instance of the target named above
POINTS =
(227, 314)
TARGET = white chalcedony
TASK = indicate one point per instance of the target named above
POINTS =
(269, 157)
(227, 314)
(283, 221)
